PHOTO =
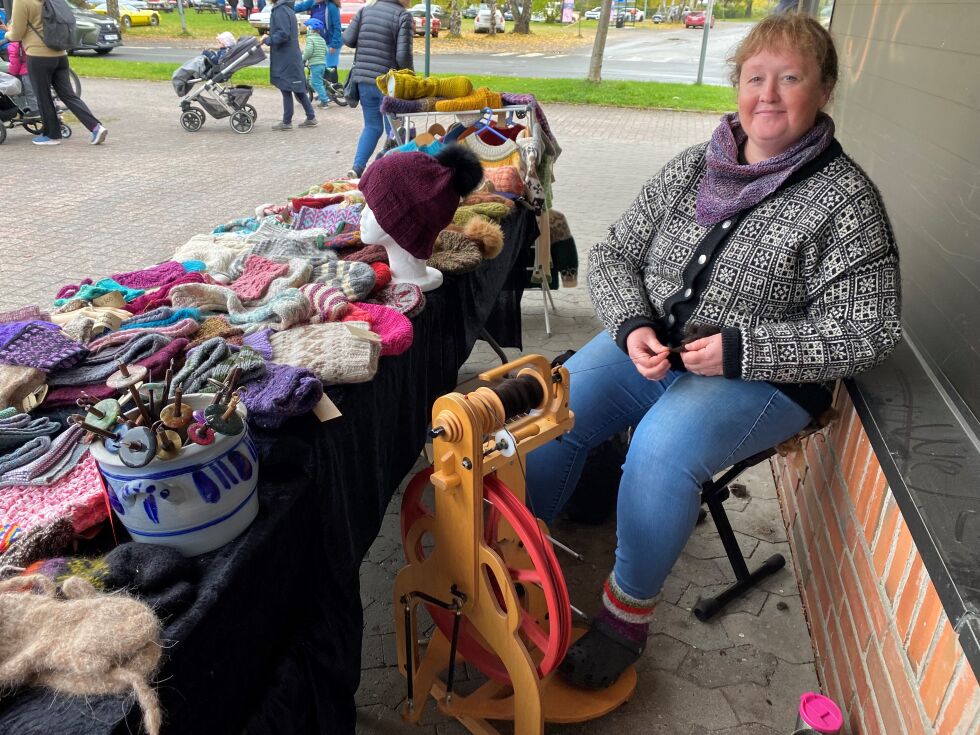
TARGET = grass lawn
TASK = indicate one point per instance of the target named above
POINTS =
(653, 95)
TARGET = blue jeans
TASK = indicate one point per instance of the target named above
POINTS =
(688, 428)
(374, 124)
(287, 105)
(316, 79)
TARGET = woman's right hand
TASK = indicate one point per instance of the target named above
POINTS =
(646, 352)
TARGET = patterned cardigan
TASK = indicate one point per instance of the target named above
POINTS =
(804, 286)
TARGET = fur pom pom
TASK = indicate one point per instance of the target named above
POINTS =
(467, 171)
(487, 235)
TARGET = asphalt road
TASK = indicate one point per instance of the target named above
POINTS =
(631, 54)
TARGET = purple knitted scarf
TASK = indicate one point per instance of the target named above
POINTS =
(730, 187)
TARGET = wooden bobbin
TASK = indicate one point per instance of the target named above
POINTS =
(138, 447)
(126, 378)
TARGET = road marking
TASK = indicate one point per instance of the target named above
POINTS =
(505, 53)
(556, 56)
(530, 56)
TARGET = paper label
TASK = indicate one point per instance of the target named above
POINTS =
(361, 333)
(325, 409)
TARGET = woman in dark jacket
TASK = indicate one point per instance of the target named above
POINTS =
(381, 35)
(286, 65)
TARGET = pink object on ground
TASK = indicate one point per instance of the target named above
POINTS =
(77, 496)
(820, 713)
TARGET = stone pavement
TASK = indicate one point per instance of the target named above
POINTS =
(78, 211)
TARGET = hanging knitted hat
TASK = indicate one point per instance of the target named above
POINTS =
(404, 297)
(415, 195)
(334, 353)
(284, 391)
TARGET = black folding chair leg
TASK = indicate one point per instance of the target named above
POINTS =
(707, 607)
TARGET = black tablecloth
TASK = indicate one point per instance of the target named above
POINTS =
(273, 642)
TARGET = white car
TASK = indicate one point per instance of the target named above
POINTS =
(593, 14)
(260, 20)
(481, 24)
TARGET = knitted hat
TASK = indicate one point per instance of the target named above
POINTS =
(284, 391)
(406, 298)
(41, 345)
(17, 382)
(333, 352)
(392, 326)
(328, 303)
(226, 39)
(314, 24)
(414, 195)
(258, 273)
(364, 253)
(354, 279)
(454, 254)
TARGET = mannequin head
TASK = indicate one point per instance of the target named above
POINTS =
(405, 268)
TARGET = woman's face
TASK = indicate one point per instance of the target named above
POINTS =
(779, 95)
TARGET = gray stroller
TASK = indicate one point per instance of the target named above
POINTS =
(19, 108)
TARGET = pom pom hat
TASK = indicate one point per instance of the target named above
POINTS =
(414, 195)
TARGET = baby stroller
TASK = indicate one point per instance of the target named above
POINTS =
(331, 83)
(204, 79)
(18, 107)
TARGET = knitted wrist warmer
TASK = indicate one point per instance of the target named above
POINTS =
(152, 277)
(24, 314)
(284, 391)
(259, 341)
(101, 288)
(17, 382)
(392, 326)
(183, 328)
(406, 298)
(354, 279)
(328, 303)
(24, 454)
(161, 317)
(155, 298)
(364, 253)
(214, 326)
(331, 351)
(41, 345)
(256, 277)
(98, 367)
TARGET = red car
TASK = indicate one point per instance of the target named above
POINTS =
(418, 18)
(695, 19)
(347, 12)
(240, 10)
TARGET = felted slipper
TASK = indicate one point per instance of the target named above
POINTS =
(599, 657)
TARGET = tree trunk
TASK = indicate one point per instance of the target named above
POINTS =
(112, 8)
(522, 18)
(455, 20)
(493, 18)
(599, 46)
(748, 9)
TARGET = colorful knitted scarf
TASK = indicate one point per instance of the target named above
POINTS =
(730, 187)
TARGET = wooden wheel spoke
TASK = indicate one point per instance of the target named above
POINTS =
(534, 631)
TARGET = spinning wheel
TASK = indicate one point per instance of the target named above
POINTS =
(533, 569)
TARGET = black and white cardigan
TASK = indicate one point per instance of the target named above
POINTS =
(804, 286)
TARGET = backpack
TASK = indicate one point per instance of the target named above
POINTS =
(59, 25)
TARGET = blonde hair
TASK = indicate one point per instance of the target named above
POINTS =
(789, 31)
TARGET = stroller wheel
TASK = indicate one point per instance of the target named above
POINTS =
(3, 133)
(252, 112)
(34, 128)
(241, 122)
(65, 131)
(192, 120)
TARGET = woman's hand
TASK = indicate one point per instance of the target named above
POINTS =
(704, 356)
(649, 356)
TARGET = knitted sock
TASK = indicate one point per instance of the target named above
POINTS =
(17, 382)
(331, 351)
(41, 345)
(161, 317)
(392, 326)
(328, 303)
(283, 311)
(477, 100)
(21, 428)
(382, 275)
(283, 391)
(277, 241)
(258, 273)
(61, 456)
(152, 277)
(406, 298)
(354, 279)
(149, 300)
(101, 288)
(364, 253)
(249, 361)
(216, 251)
(627, 615)
(242, 225)
(214, 326)
(24, 454)
(6, 413)
(201, 361)
(98, 367)
(298, 271)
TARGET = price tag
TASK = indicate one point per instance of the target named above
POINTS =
(325, 410)
(361, 333)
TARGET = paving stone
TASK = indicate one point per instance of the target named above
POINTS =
(378, 719)
(784, 581)
(705, 543)
(701, 571)
(781, 632)
(682, 625)
(728, 666)
(673, 588)
(775, 704)
(677, 701)
(761, 519)
(753, 728)
(662, 653)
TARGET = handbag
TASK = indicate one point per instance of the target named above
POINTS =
(351, 93)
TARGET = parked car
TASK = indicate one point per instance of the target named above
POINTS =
(259, 19)
(418, 20)
(166, 6)
(657, 18)
(695, 19)
(537, 17)
(635, 14)
(347, 12)
(130, 16)
(437, 11)
(481, 24)
(470, 11)
(594, 13)
(94, 32)
(614, 15)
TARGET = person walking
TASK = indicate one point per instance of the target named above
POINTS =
(381, 36)
(286, 65)
(315, 56)
(47, 68)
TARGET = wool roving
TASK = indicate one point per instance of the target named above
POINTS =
(354, 279)
(392, 326)
(85, 644)
(17, 382)
(284, 391)
(20, 428)
(406, 298)
(333, 352)
(41, 345)
(401, 185)
(59, 568)
(258, 273)
(328, 303)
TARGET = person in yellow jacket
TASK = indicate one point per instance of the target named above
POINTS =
(48, 68)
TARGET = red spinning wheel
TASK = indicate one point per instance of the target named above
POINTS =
(550, 636)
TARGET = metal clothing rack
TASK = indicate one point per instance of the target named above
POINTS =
(400, 127)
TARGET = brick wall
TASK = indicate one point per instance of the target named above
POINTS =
(885, 649)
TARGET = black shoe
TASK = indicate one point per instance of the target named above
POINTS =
(599, 658)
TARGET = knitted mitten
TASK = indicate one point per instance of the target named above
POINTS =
(354, 279)
(258, 273)
(331, 351)
(392, 326)
(214, 326)
(476, 100)
(283, 391)
(328, 303)
(406, 298)
(298, 271)
(41, 345)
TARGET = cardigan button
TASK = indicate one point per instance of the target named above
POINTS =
(726, 224)
(687, 294)
(671, 319)
(702, 259)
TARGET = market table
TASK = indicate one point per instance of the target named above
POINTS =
(272, 643)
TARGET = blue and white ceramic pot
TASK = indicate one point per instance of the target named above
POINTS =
(196, 502)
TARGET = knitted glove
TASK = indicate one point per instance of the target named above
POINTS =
(328, 303)
(41, 345)
(256, 277)
(355, 280)
(331, 351)
(477, 100)
(283, 391)
(17, 382)
(101, 288)
(392, 326)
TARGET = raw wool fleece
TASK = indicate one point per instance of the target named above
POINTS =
(330, 350)
(85, 644)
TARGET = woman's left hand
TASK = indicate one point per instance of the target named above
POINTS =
(704, 356)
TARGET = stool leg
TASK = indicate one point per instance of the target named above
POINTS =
(707, 607)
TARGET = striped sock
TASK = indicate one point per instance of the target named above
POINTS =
(627, 615)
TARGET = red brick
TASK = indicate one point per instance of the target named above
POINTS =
(939, 671)
(832, 525)
(852, 648)
(854, 719)
(924, 628)
(854, 596)
(871, 587)
(841, 427)
(891, 719)
(908, 597)
(863, 463)
(882, 545)
(842, 666)
(872, 722)
(855, 437)
(963, 703)
(872, 500)
(904, 550)
(900, 674)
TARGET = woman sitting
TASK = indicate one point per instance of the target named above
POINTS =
(750, 273)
